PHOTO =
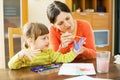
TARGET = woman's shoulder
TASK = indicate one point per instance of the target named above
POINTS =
(83, 25)
(81, 21)
(52, 28)
(54, 31)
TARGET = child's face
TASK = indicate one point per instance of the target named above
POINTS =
(42, 42)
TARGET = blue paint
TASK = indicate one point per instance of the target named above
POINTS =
(77, 45)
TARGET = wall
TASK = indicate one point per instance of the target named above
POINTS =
(2, 50)
(37, 10)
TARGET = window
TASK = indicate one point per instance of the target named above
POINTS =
(101, 38)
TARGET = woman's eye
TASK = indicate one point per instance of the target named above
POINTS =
(67, 18)
(60, 23)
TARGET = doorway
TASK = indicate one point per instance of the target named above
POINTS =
(117, 27)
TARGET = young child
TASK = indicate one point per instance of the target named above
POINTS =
(36, 50)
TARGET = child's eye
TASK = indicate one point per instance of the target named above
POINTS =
(45, 38)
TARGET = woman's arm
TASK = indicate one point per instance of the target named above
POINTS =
(55, 42)
(89, 47)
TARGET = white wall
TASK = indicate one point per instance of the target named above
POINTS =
(2, 46)
(37, 10)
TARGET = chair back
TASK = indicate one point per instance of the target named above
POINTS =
(11, 32)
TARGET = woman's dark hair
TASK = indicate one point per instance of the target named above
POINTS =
(54, 9)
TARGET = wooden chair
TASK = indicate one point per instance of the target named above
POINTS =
(11, 32)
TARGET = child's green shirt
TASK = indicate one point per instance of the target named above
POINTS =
(47, 56)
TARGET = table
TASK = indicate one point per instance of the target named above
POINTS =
(26, 74)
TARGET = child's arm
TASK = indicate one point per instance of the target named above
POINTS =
(17, 62)
(59, 57)
(70, 56)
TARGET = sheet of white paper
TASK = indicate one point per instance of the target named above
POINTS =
(77, 69)
(80, 78)
(85, 78)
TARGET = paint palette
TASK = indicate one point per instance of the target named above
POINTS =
(44, 68)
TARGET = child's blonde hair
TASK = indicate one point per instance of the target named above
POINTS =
(33, 30)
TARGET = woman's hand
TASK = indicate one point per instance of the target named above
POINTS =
(29, 53)
(78, 46)
(66, 38)
(80, 51)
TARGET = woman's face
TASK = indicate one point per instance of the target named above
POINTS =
(64, 22)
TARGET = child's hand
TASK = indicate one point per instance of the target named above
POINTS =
(29, 53)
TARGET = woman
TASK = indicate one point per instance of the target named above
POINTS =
(65, 30)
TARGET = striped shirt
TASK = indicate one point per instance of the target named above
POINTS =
(47, 56)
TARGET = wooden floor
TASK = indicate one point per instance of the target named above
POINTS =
(17, 47)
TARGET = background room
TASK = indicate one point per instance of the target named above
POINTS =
(35, 11)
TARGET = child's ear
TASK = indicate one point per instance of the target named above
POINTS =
(29, 41)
